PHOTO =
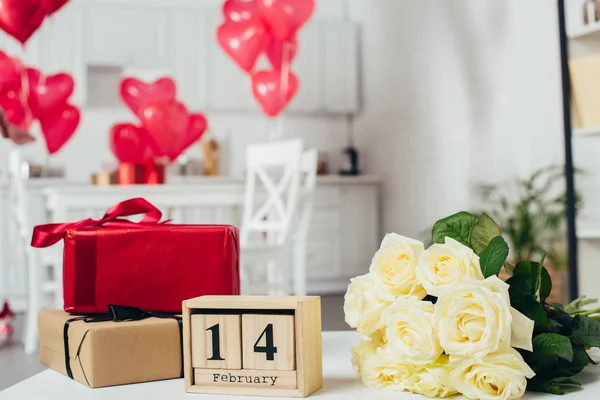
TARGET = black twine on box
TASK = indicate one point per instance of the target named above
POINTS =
(118, 314)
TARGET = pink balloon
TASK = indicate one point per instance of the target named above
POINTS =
(167, 123)
(286, 17)
(243, 41)
(136, 93)
(272, 94)
(241, 10)
(48, 94)
(278, 52)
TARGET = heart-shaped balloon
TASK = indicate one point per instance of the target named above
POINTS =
(12, 104)
(286, 17)
(243, 41)
(278, 51)
(129, 143)
(10, 72)
(21, 18)
(272, 94)
(241, 10)
(58, 128)
(48, 94)
(196, 127)
(136, 93)
(55, 5)
(166, 123)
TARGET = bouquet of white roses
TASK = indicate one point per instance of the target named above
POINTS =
(440, 322)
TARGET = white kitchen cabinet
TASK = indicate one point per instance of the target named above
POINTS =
(189, 38)
(123, 34)
(307, 67)
(339, 64)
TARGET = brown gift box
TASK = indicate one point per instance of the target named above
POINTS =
(111, 353)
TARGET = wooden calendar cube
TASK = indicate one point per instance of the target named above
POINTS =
(252, 345)
(268, 342)
(220, 346)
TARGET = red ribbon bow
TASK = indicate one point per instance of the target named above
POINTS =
(48, 234)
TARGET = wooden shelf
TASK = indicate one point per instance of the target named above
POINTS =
(591, 31)
(586, 132)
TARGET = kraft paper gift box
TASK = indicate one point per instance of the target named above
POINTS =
(111, 353)
(150, 265)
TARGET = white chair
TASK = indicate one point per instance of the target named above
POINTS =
(306, 198)
(272, 186)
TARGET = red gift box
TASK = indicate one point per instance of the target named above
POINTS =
(147, 173)
(149, 265)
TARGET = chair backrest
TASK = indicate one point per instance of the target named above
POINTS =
(307, 189)
(272, 185)
(18, 200)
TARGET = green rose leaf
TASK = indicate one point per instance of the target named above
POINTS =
(545, 285)
(544, 387)
(547, 345)
(482, 233)
(535, 312)
(586, 331)
(457, 226)
(492, 258)
(565, 380)
(525, 283)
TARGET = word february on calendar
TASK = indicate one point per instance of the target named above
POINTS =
(253, 345)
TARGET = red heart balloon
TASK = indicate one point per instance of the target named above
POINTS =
(129, 143)
(271, 93)
(243, 41)
(286, 17)
(241, 10)
(58, 128)
(55, 5)
(12, 104)
(47, 94)
(21, 18)
(10, 72)
(196, 127)
(278, 51)
(166, 123)
(136, 93)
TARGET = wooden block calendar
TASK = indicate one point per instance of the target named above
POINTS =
(252, 345)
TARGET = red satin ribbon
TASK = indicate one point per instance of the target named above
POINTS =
(48, 234)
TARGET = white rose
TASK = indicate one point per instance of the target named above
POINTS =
(363, 303)
(394, 266)
(500, 376)
(441, 265)
(474, 318)
(410, 331)
(359, 351)
(383, 370)
(434, 379)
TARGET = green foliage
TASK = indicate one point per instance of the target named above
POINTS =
(561, 334)
(457, 226)
(482, 233)
(532, 215)
(493, 256)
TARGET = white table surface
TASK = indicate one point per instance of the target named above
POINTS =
(339, 382)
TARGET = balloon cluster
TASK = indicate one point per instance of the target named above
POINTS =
(254, 27)
(167, 128)
(26, 95)
(21, 18)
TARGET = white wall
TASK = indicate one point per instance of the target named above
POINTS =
(455, 92)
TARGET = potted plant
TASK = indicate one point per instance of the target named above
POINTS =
(532, 216)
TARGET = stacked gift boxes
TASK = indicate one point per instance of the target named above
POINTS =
(124, 284)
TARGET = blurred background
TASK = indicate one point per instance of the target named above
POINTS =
(417, 109)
